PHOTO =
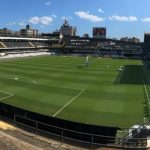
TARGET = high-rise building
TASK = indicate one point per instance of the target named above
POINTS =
(99, 32)
(28, 27)
(133, 40)
(65, 29)
(28, 32)
(124, 39)
(147, 43)
(5, 32)
(86, 35)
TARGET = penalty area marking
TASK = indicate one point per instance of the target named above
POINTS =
(64, 87)
(29, 80)
(26, 79)
(8, 95)
(69, 102)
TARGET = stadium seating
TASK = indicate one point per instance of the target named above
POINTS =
(19, 55)
(1, 45)
(17, 44)
(40, 44)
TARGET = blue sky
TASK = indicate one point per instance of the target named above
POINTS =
(121, 17)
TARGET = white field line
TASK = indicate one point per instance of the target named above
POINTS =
(69, 102)
(145, 88)
(64, 87)
(9, 95)
(147, 94)
(6, 93)
(35, 82)
(29, 80)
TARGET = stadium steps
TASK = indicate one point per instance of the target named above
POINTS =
(31, 44)
(2, 45)
(135, 136)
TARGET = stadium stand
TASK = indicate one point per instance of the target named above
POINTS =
(31, 44)
(2, 45)
(76, 46)
(17, 44)
(25, 54)
(13, 47)
(40, 44)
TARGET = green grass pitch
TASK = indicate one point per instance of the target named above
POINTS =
(63, 87)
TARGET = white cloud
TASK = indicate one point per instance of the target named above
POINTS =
(54, 16)
(34, 20)
(45, 20)
(123, 18)
(88, 16)
(11, 23)
(41, 26)
(147, 19)
(22, 23)
(100, 10)
(48, 3)
(66, 18)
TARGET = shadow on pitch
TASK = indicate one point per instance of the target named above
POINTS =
(82, 66)
(131, 74)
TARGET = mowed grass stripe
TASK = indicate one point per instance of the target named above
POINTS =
(59, 76)
(46, 67)
(103, 103)
(118, 104)
(37, 69)
(35, 97)
(30, 104)
(38, 87)
(65, 63)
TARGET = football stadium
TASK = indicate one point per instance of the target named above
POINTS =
(98, 97)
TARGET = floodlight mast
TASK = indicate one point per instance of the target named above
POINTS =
(61, 36)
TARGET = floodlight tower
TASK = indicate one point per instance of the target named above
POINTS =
(60, 38)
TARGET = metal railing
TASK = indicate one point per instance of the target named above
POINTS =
(92, 140)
